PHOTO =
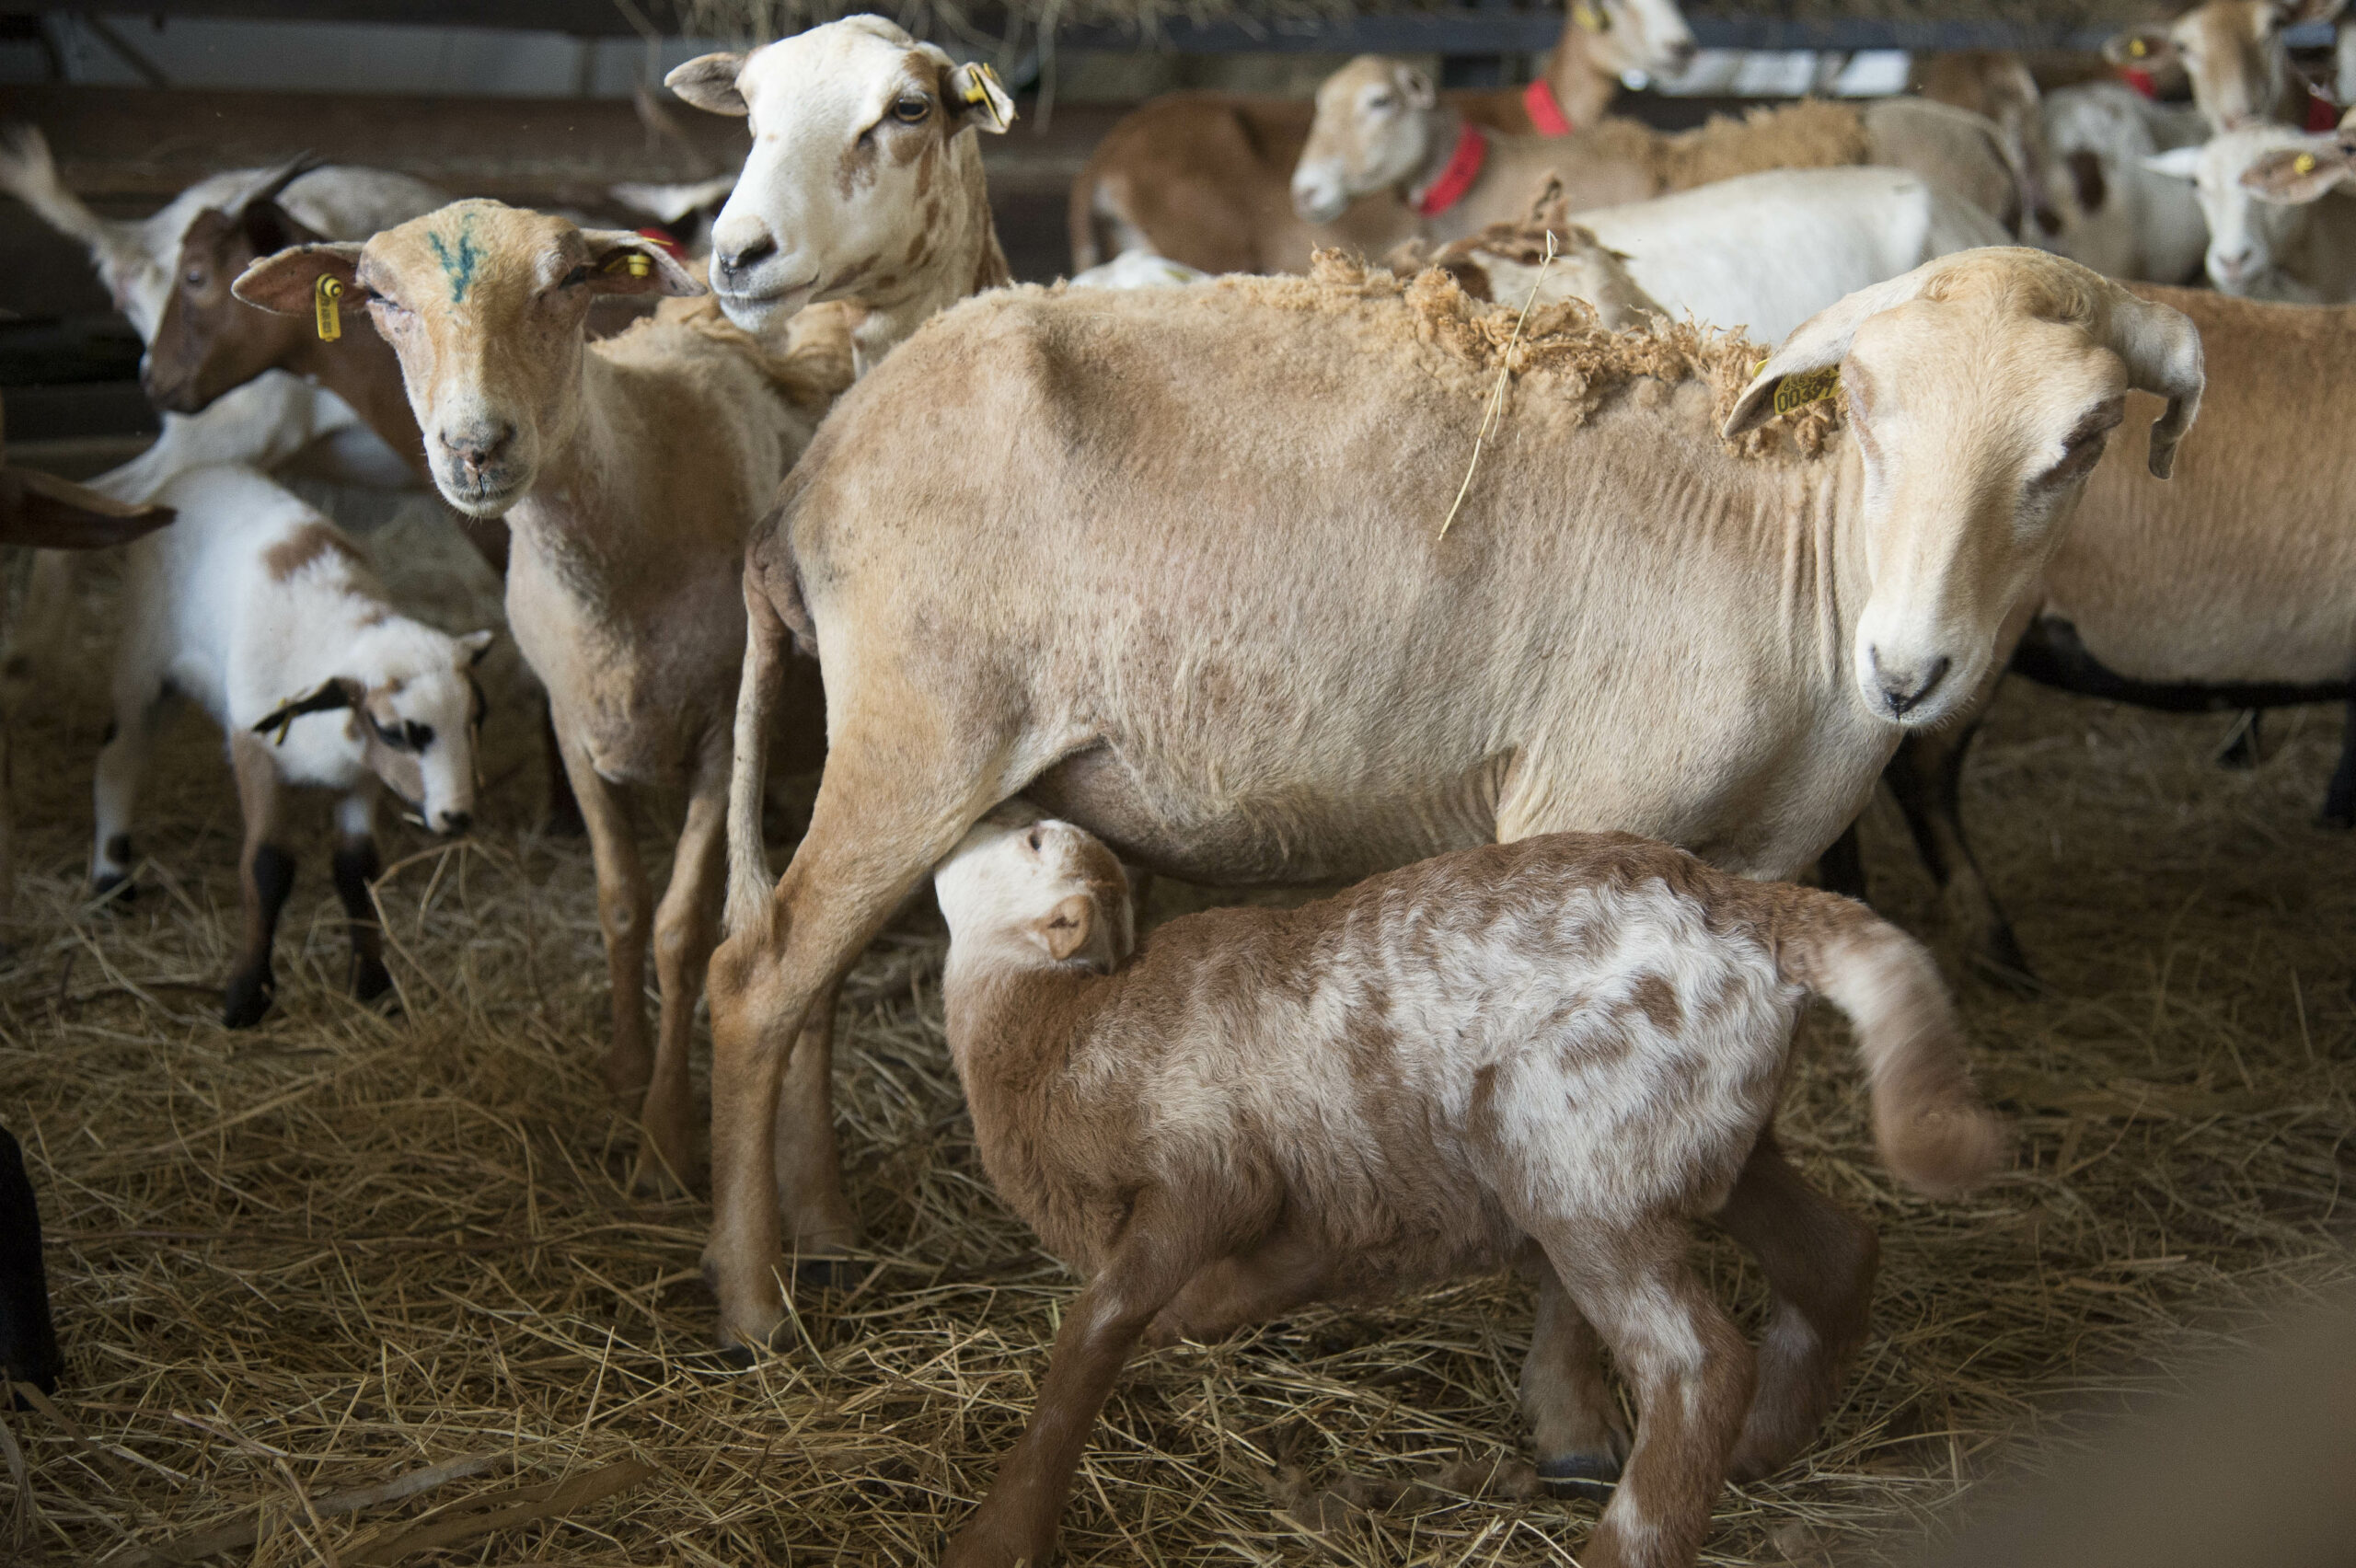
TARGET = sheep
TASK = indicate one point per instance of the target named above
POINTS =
(2104, 208)
(27, 1333)
(2233, 588)
(1243, 649)
(42, 513)
(1201, 177)
(2261, 247)
(258, 610)
(627, 470)
(2238, 61)
(1998, 86)
(862, 184)
(1760, 253)
(1559, 1051)
(1381, 126)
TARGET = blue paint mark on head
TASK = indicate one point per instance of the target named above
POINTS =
(458, 264)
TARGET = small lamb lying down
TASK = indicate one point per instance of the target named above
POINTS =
(1563, 1048)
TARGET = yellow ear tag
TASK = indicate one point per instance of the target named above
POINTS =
(637, 263)
(979, 79)
(327, 315)
(2137, 49)
(1808, 386)
(2304, 163)
(1590, 16)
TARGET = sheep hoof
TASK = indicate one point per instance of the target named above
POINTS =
(737, 1357)
(114, 889)
(2336, 821)
(370, 979)
(1593, 1477)
(1999, 961)
(829, 1273)
(249, 999)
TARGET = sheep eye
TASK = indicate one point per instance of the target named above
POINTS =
(1382, 100)
(194, 278)
(578, 275)
(1034, 840)
(911, 110)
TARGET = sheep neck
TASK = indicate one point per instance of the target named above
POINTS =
(966, 259)
(1583, 88)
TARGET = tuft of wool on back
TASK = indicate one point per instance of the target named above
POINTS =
(810, 372)
(1810, 134)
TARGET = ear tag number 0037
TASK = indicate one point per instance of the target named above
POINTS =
(1794, 392)
(326, 308)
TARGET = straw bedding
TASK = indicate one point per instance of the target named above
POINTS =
(297, 1263)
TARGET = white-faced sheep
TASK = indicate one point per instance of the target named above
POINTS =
(1560, 1052)
(1241, 650)
(254, 607)
(2238, 59)
(2265, 244)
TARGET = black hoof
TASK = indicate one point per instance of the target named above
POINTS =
(249, 1000)
(736, 1357)
(114, 889)
(2337, 822)
(829, 1273)
(2002, 963)
(1593, 1477)
(370, 979)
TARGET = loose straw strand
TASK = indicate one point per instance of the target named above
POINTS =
(1495, 410)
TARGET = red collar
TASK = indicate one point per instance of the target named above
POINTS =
(2322, 113)
(1463, 169)
(1545, 109)
(2141, 80)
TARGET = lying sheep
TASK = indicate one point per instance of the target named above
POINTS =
(1241, 649)
(1561, 1050)
(629, 470)
(2263, 244)
(260, 611)
(1758, 254)
(1380, 125)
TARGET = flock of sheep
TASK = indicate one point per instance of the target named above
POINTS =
(1485, 572)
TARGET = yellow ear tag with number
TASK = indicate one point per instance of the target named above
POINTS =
(1590, 16)
(2303, 164)
(327, 315)
(1794, 392)
(980, 79)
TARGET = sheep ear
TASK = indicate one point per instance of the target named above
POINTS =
(2294, 175)
(1068, 928)
(1416, 89)
(2177, 163)
(477, 645)
(287, 284)
(1817, 344)
(340, 692)
(2141, 49)
(974, 95)
(622, 261)
(709, 82)
(2162, 348)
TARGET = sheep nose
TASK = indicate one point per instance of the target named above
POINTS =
(1903, 691)
(735, 265)
(477, 451)
(456, 822)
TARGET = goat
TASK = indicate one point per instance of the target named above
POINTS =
(2104, 208)
(1201, 177)
(627, 470)
(862, 185)
(1243, 649)
(1561, 1050)
(1760, 253)
(1381, 126)
(2230, 588)
(2260, 246)
(258, 610)
(2238, 61)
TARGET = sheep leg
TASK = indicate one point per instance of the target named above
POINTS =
(490, 539)
(900, 789)
(357, 864)
(1580, 1447)
(1926, 776)
(122, 763)
(624, 910)
(1692, 1374)
(265, 876)
(1243, 1289)
(1159, 1251)
(2339, 797)
(807, 1167)
(1819, 1262)
(685, 927)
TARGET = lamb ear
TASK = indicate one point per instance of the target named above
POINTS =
(477, 645)
(709, 82)
(2162, 348)
(340, 692)
(1821, 341)
(1068, 926)
(622, 261)
(2291, 176)
(287, 284)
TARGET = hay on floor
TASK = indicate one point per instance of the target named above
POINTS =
(296, 1264)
